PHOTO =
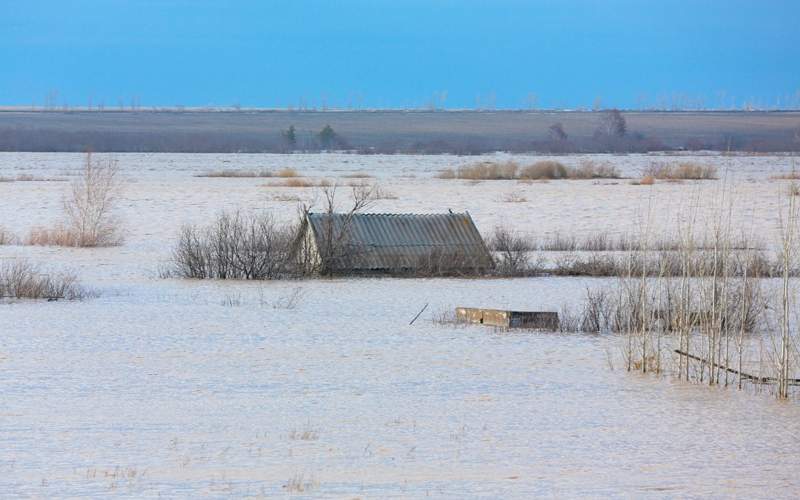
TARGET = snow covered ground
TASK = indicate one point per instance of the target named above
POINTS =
(186, 389)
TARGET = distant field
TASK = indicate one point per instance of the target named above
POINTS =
(461, 132)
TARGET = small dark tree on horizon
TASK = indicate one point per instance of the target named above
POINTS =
(290, 136)
(612, 124)
(556, 133)
(327, 137)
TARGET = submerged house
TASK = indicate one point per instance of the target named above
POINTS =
(353, 243)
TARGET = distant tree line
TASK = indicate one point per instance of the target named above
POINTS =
(611, 134)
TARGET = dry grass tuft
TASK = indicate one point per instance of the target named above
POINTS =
(307, 434)
(514, 197)
(546, 169)
(589, 169)
(237, 173)
(7, 237)
(22, 280)
(379, 193)
(287, 172)
(787, 176)
(301, 484)
(483, 171)
(541, 170)
(301, 182)
(286, 197)
(647, 180)
(357, 175)
(447, 173)
(29, 178)
(58, 236)
(681, 171)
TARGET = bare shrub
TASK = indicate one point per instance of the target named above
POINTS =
(235, 246)
(237, 173)
(380, 193)
(357, 175)
(7, 237)
(560, 243)
(232, 300)
(592, 265)
(666, 263)
(447, 317)
(289, 301)
(513, 252)
(308, 433)
(23, 280)
(546, 169)
(681, 171)
(514, 197)
(299, 483)
(286, 197)
(28, 178)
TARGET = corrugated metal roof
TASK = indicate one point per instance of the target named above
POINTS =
(397, 241)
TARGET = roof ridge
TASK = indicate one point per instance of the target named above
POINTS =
(388, 214)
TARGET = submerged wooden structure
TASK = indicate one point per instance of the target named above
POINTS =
(353, 243)
(536, 320)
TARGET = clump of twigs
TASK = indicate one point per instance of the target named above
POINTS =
(540, 170)
(229, 173)
(299, 483)
(235, 246)
(681, 171)
(23, 280)
(513, 253)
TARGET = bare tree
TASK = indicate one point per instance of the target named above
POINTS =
(788, 247)
(89, 207)
(514, 252)
(612, 125)
(556, 133)
(290, 137)
(333, 245)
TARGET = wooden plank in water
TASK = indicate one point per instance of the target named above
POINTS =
(538, 320)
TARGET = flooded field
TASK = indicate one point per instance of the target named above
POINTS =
(176, 388)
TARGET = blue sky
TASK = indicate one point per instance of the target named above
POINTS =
(412, 53)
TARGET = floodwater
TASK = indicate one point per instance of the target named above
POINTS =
(187, 389)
